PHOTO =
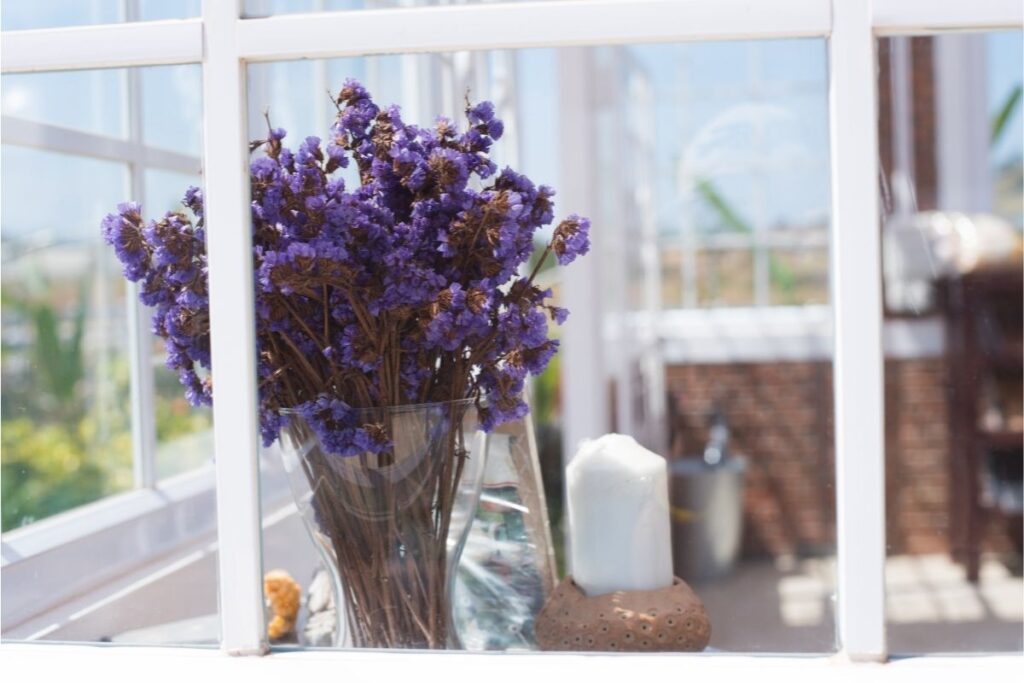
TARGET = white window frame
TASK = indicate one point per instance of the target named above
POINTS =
(224, 43)
(60, 558)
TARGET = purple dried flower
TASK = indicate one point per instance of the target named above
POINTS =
(405, 289)
(123, 231)
(571, 239)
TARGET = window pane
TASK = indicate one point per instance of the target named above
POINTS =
(24, 14)
(164, 189)
(172, 108)
(153, 10)
(950, 137)
(184, 437)
(726, 277)
(700, 167)
(91, 101)
(184, 433)
(799, 276)
(66, 414)
(27, 14)
(670, 257)
(92, 551)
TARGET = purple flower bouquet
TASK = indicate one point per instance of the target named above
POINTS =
(405, 295)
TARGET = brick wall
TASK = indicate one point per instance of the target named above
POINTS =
(780, 417)
(917, 467)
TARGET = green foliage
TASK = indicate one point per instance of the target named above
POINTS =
(59, 446)
(784, 278)
(713, 198)
(781, 274)
(545, 392)
(58, 363)
(1005, 112)
(180, 424)
(46, 469)
(50, 466)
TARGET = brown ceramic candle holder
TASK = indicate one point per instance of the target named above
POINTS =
(669, 619)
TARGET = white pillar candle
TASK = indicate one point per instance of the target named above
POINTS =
(619, 516)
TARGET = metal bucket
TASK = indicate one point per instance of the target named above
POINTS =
(707, 516)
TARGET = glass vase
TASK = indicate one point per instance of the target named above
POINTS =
(391, 526)
(508, 567)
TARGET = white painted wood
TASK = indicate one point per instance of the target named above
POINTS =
(34, 662)
(962, 124)
(232, 333)
(58, 566)
(534, 24)
(857, 362)
(908, 338)
(895, 17)
(485, 26)
(140, 341)
(50, 561)
(157, 590)
(25, 133)
(585, 390)
(775, 334)
(103, 46)
(745, 334)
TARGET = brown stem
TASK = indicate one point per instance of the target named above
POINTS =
(540, 262)
(393, 559)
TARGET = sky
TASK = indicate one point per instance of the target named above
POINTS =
(1005, 54)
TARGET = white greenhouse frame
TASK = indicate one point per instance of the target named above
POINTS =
(224, 43)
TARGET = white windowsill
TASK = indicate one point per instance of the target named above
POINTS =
(58, 560)
(128, 663)
(50, 533)
(51, 561)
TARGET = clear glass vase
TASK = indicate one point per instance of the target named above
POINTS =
(391, 526)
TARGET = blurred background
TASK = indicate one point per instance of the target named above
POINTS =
(701, 322)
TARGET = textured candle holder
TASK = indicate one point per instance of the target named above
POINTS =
(669, 619)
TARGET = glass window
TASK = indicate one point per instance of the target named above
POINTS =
(172, 108)
(27, 14)
(704, 169)
(950, 132)
(90, 101)
(163, 188)
(93, 424)
(153, 10)
(184, 436)
(726, 277)
(799, 276)
(66, 412)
